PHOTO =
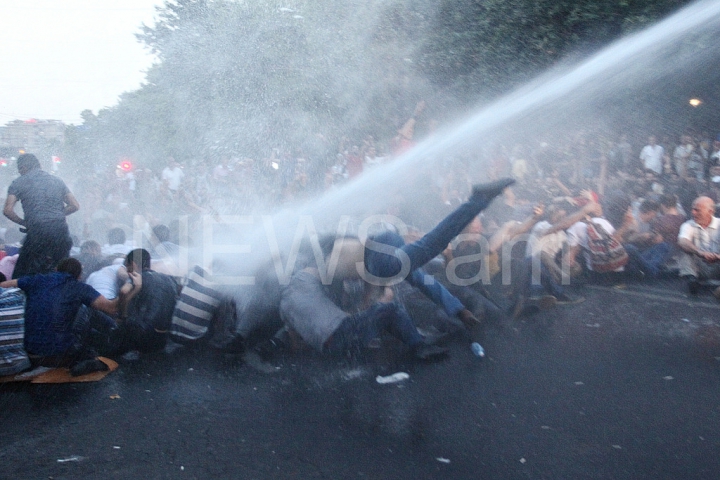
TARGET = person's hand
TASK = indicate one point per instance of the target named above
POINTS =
(136, 279)
(419, 108)
(538, 210)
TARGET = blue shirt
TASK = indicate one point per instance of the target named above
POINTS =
(53, 301)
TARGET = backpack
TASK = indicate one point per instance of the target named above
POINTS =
(606, 253)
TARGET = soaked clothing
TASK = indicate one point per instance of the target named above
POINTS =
(48, 239)
(306, 307)
(53, 301)
(149, 315)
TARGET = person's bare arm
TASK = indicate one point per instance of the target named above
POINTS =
(71, 204)
(116, 307)
(592, 209)
(9, 284)
(9, 210)
(688, 246)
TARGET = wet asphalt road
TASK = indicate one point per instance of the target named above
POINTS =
(625, 385)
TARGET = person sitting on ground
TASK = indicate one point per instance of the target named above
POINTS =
(145, 322)
(608, 265)
(13, 357)
(699, 239)
(52, 305)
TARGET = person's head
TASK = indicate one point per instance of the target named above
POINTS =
(162, 233)
(27, 162)
(648, 210)
(652, 140)
(116, 236)
(703, 210)
(71, 266)
(91, 248)
(668, 201)
(615, 206)
(137, 260)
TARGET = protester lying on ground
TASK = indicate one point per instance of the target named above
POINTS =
(699, 239)
(52, 338)
(308, 310)
(386, 258)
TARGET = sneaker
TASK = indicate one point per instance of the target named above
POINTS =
(429, 352)
(565, 299)
(693, 285)
(485, 192)
(88, 366)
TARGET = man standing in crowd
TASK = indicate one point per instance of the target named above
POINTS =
(46, 201)
(172, 177)
(652, 156)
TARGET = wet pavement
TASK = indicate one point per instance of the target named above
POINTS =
(624, 385)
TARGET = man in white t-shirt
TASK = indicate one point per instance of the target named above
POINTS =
(172, 176)
(652, 156)
(699, 239)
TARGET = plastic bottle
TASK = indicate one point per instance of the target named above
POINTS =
(394, 378)
(477, 349)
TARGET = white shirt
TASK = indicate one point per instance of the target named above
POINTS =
(652, 157)
(173, 177)
(707, 239)
(577, 235)
(105, 281)
(539, 242)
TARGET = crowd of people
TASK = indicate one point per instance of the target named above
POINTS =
(568, 212)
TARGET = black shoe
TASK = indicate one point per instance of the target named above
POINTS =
(485, 192)
(429, 352)
(88, 366)
(269, 348)
(693, 284)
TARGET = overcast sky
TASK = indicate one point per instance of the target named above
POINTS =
(59, 57)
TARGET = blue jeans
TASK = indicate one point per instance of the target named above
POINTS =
(649, 260)
(387, 262)
(356, 331)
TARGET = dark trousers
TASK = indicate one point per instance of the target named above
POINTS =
(42, 249)
(386, 261)
(356, 331)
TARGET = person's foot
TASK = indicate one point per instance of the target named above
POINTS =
(468, 319)
(543, 303)
(424, 351)
(693, 284)
(566, 299)
(485, 192)
(88, 366)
